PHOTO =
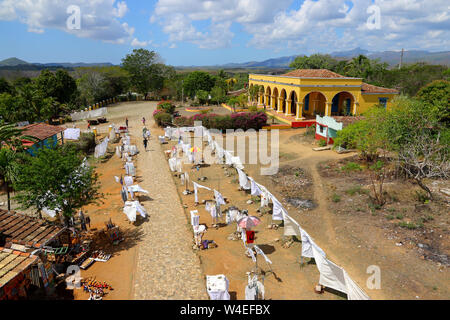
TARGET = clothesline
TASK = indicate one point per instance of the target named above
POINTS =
(331, 275)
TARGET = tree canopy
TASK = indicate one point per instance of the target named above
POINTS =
(144, 68)
(56, 179)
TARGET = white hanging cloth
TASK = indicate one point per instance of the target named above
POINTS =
(196, 187)
(252, 254)
(255, 189)
(137, 188)
(195, 218)
(173, 164)
(278, 210)
(291, 227)
(130, 169)
(308, 244)
(243, 181)
(219, 198)
(260, 252)
(128, 180)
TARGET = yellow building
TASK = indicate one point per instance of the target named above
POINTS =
(302, 94)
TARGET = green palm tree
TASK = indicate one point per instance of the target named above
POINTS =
(12, 136)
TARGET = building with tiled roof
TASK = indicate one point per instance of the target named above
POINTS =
(24, 233)
(46, 134)
(302, 94)
(15, 273)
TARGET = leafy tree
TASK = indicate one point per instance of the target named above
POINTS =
(437, 95)
(144, 69)
(11, 137)
(315, 61)
(57, 179)
(5, 86)
(363, 67)
(198, 80)
(218, 94)
(202, 96)
(254, 92)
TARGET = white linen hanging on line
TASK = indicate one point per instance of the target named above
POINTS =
(196, 187)
(219, 198)
(308, 244)
(291, 227)
(354, 292)
(173, 164)
(128, 180)
(252, 254)
(331, 275)
(101, 148)
(255, 189)
(260, 252)
(72, 134)
(137, 188)
(278, 209)
(243, 181)
(130, 169)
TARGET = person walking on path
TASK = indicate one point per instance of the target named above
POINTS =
(126, 121)
(143, 121)
(145, 143)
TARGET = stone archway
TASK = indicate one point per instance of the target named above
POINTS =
(314, 103)
(342, 104)
(268, 98)
(282, 102)
(275, 104)
(293, 98)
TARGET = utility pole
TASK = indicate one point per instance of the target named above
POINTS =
(401, 59)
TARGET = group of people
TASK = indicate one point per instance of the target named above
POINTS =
(145, 132)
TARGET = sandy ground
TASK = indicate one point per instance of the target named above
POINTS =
(354, 244)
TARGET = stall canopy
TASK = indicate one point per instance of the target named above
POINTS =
(24, 232)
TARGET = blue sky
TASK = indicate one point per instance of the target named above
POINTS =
(200, 32)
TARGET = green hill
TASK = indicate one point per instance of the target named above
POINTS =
(11, 62)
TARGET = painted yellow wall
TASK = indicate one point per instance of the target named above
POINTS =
(328, 87)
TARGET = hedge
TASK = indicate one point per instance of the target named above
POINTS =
(243, 120)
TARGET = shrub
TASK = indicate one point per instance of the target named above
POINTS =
(183, 121)
(336, 198)
(351, 166)
(311, 131)
(167, 107)
(253, 109)
(85, 144)
(162, 119)
(322, 143)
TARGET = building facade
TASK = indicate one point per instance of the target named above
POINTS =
(302, 94)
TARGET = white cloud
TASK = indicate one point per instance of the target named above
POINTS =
(177, 18)
(315, 25)
(137, 43)
(99, 18)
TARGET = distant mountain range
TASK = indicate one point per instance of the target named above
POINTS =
(390, 57)
(15, 62)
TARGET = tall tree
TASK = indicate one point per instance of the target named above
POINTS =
(57, 179)
(315, 61)
(144, 69)
(198, 80)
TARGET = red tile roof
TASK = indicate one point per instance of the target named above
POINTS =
(41, 131)
(368, 88)
(347, 120)
(313, 73)
(24, 230)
